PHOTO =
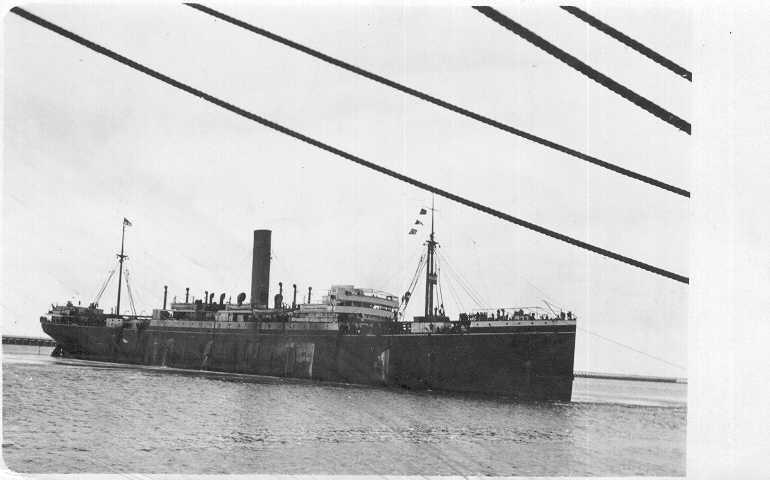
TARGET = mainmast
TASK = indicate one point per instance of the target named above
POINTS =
(121, 257)
(431, 278)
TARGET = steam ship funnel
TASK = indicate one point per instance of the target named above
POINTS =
(165, 295)
(260, 269)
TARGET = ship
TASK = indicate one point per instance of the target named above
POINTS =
(351, 335)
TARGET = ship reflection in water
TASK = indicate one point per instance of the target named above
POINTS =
(66, 416)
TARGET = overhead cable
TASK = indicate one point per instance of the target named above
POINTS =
(581, 67)
(341, 153)
(629, 42)
(441, 103)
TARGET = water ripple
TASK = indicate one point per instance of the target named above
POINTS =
(74, 416)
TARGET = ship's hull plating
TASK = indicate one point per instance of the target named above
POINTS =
(533, 363)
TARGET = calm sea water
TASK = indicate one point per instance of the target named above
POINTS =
(68, 416)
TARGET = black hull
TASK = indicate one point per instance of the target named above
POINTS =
(531, 363)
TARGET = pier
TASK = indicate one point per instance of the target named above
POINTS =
(36, 341)
(636, 378)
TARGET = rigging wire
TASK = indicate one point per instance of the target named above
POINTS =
(663, 360)
(420, 265)
(438, 283)
(479, 302)
(545, 294)
(104, 287)
(438, 102)
(454, 295)
(464, 284)
(551, 308)
(629, 42)
(341, 153)
(130, 294)
(467, 282)
(596, 76)
(413, 284)
(470, 294)
(463, 232)
(401, 270)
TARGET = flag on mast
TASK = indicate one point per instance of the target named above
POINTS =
(417, 222)
(412, 231)
(423, 211)
(126, 222)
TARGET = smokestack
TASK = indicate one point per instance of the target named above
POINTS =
(205, 296)
(211, 297)
(165, 295)
(294, 299)
(187, 295)
(309, 291)
(222, 299)
(260, 269)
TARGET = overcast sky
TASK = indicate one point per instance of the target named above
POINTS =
(88, 141)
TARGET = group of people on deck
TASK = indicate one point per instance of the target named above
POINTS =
(501, 314)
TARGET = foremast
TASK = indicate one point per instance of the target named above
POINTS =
(431, 277)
